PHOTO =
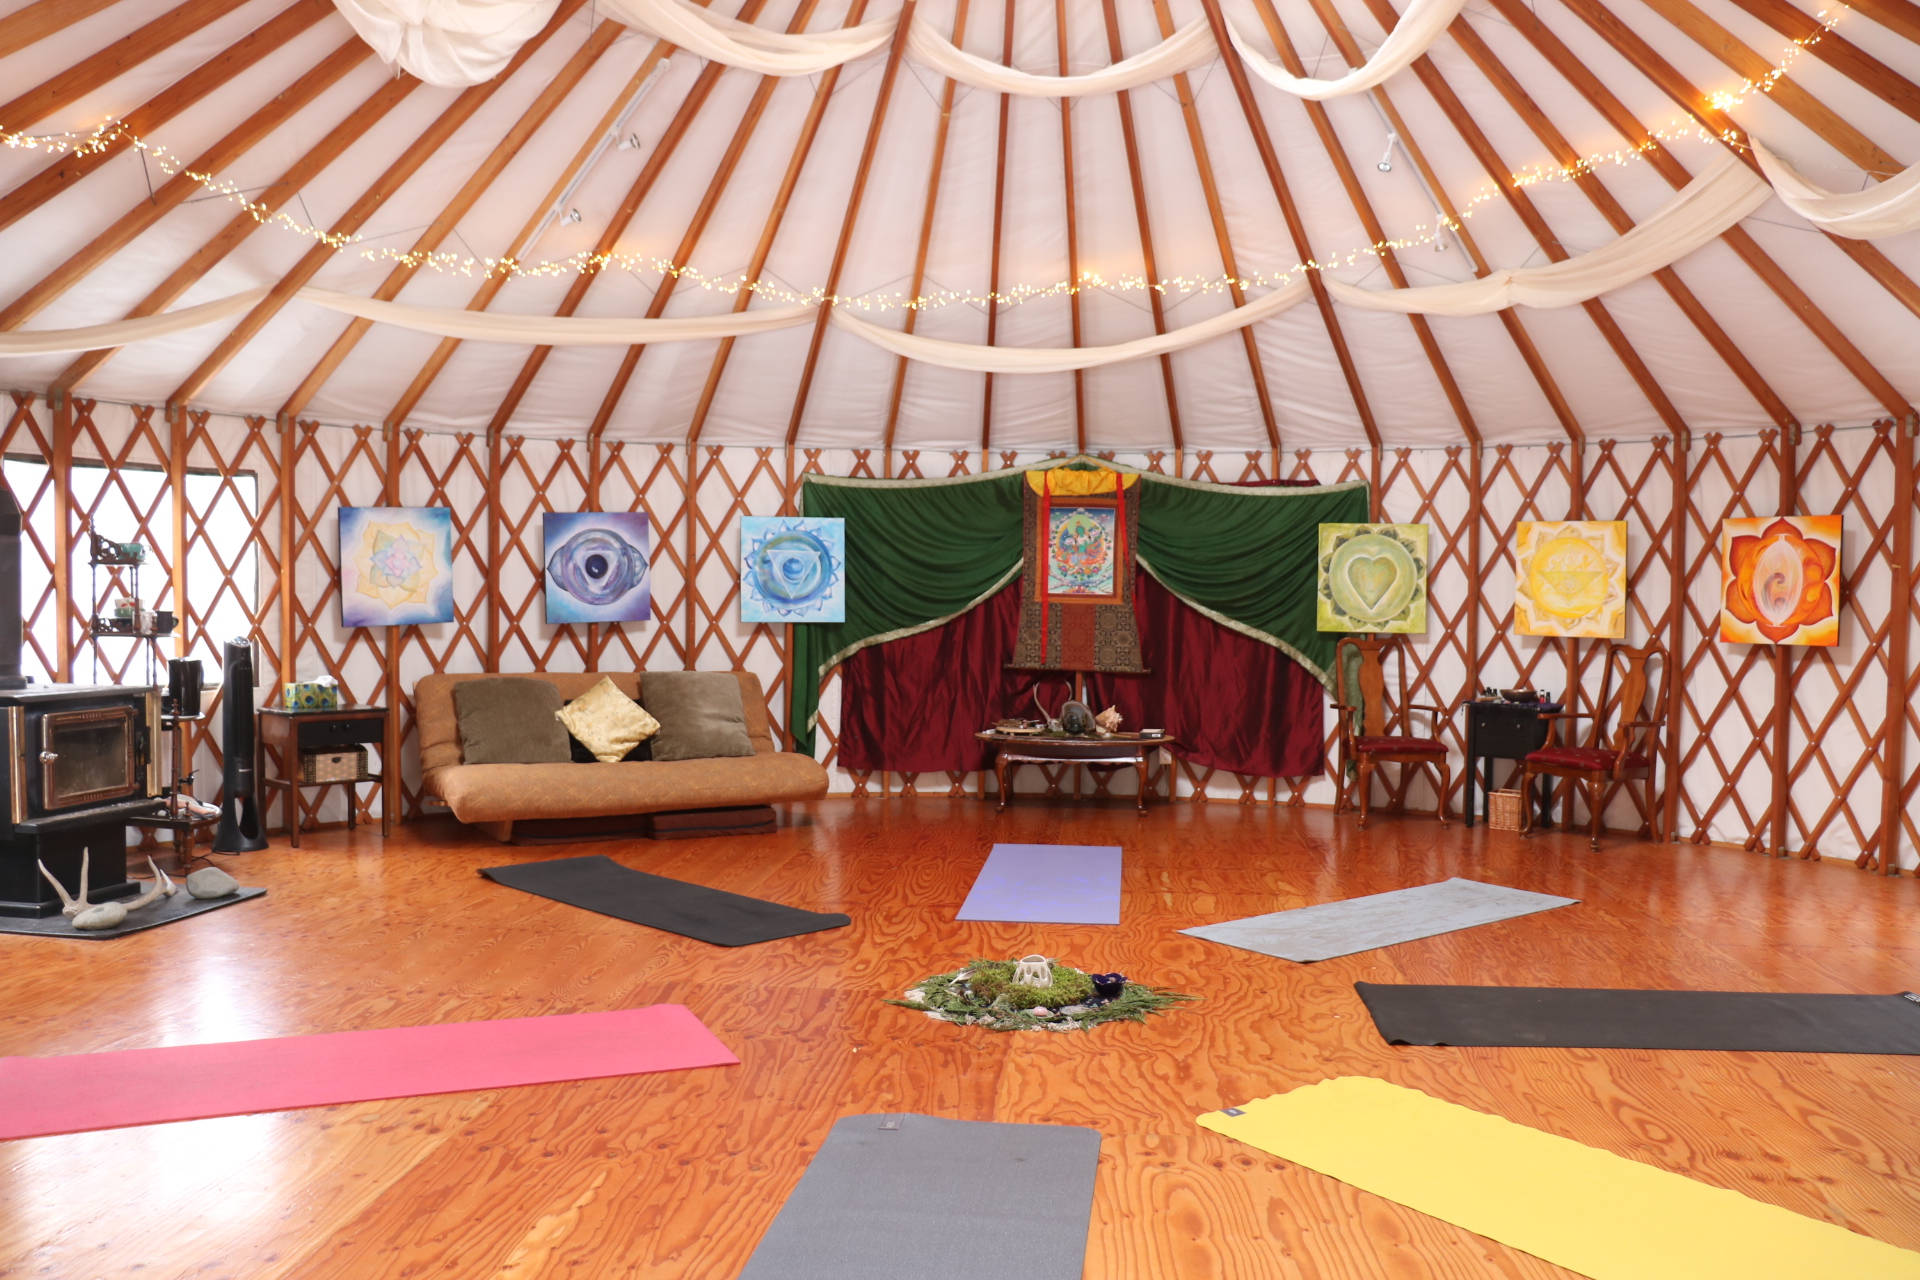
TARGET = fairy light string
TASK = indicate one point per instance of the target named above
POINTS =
(115, 132)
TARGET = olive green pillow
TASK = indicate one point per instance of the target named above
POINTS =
(510, 721)
(700, 713)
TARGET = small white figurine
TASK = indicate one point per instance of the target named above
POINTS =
(1033, 971)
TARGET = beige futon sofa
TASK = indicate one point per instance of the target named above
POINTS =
(495, 796)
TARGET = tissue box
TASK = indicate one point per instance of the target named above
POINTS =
(312, 695)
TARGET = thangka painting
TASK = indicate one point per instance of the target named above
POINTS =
(793, 569)
(1083, 552)
(1571, 578)
(1780, 580)
(597, 566)
(1373, 577)
(396, 566)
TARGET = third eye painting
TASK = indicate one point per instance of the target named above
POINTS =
(1571, 578)
(1780, 580)
(597, 566)
(1373, 577)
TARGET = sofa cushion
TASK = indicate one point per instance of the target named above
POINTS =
(510, 721)
(701, 713)
(505, 793)
(608, 723)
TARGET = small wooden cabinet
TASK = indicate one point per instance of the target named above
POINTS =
(288, 733)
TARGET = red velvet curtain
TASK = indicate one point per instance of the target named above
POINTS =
(913, 705)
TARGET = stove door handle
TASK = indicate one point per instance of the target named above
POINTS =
(48, 757)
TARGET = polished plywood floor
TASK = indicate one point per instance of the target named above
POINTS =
(675, 1176)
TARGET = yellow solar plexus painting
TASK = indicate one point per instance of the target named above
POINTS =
(1570, 578)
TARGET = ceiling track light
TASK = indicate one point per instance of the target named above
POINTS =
(1386, 157)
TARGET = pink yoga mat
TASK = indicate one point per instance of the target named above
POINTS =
(78, 1092)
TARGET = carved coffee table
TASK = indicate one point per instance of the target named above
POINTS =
(1120, 751)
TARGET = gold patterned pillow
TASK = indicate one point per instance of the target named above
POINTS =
(607, 722)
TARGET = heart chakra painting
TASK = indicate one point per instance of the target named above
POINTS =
(1373, 577)
(597, 566)
(1571, 578)
(793, 569)
(1780, 580)
(396, 566)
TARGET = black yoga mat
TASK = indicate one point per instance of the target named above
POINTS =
(1589, 1018)
(691, 910)
(910, 1197)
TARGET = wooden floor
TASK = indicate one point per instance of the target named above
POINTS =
(676, 1175)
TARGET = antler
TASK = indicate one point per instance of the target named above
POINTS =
(69, 906)
(162, 888)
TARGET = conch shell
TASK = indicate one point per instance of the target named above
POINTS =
(1108, 721)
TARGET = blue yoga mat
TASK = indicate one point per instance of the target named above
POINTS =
(1047, 884)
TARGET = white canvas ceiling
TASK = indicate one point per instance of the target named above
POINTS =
(1821, 118)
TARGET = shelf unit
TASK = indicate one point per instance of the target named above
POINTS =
(105, 554)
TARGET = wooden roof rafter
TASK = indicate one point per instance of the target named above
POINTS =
(895, 50)
(1074, 327)
(1223, 238)
(776, 214)
(1296, 228)
(696, 227)
(1156, 300)
(936, 165)
(430, 140)
(1628, 126)
(1839, 53)
(598, 41)
(1362, 206)
(65, 170)
(43, 18)
(999, 222)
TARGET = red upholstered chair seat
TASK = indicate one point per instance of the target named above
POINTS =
(1584, 758)
(1393, 745)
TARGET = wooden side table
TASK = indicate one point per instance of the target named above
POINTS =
(291, 732)
(1118, 752)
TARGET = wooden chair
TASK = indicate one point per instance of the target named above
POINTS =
(1384, 734)
(1606, 762)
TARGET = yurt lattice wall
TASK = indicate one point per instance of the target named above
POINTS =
(1824, 727)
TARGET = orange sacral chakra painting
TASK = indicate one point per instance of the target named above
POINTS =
(1780, 580)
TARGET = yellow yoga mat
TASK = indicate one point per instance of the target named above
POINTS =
(1576, 1206)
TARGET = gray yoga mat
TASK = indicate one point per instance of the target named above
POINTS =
(911, 1197)
(1335, 929)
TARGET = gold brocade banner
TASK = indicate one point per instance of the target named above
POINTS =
(1076, 595)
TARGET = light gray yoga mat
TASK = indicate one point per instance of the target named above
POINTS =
(1379, 920)
(910, 1197)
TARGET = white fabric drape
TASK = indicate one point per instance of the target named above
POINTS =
(1185, 49)
(451, 43)
(1887, 208)
(984, 359)
(743, 45)
(53, 342)
(1412, 36)
(1697, 214)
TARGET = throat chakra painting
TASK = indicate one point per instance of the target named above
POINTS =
(1571, 578)
(396, 566)
(1780, 580)
(793, 569)
(597, 566)
(1082, 552)
(1373, 577)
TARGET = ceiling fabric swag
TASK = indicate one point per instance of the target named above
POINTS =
(1885, 209)
(1184, 50)
(1696, 215)
(99, 337)
(984, 359)
(1416, 31)
(922, 552)
(741, 44)
(449, 43)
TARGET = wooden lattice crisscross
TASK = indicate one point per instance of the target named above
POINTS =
(42, 615)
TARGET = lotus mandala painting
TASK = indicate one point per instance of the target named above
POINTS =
(793, 569)
(1373, 577)
(1082, 551)
(1780, 580)
(396, 566)
(597, 566)
(1571, 578)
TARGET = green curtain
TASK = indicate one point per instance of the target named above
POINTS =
(920, 552)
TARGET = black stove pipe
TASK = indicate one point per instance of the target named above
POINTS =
(10, 606)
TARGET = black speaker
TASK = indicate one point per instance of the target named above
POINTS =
(239, 830)
(184, 676)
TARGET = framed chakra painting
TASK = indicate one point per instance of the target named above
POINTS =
(1571, 578)
(793, 569)
(1373, 577)
(1780, 580)
(396, 566)
(597, 566)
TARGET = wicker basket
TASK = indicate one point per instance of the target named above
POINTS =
(346, 765)
(1503, 810)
